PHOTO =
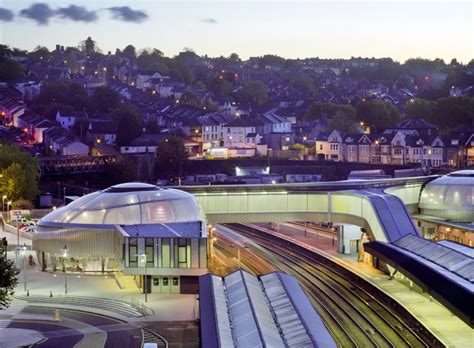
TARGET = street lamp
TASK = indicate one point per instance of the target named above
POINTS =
(238, 247)
(22, 250)
(3, 203)
(9, 205)
(304, 140)
(65, 250)
(145, 283)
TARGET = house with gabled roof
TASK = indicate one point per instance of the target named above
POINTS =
(398, 148)
(102, 131)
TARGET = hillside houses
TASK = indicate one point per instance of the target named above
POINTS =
(397, 148)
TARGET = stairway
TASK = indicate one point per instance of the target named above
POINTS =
(106, 304)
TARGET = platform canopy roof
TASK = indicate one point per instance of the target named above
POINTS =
(444, 270)
(243, 310)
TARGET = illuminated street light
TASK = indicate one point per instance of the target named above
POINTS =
(3, 202)
(22, 250)
(64, 251)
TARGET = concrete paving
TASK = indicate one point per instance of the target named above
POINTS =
(165, 307)
(433, 315)
(18, 337)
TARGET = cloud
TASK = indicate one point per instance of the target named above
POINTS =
(39, 12)
(126, 14)
(6, 15)
(77, 13)
(209, 20)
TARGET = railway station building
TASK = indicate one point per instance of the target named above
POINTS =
(135, 228)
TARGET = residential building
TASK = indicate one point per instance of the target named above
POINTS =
(66, 121)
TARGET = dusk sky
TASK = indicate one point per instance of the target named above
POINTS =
(291, 29)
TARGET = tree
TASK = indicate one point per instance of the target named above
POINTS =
(419, 68)
(300, 148)
(343, 123)
(10, 70)
(72, 62)
(105, 99)
(254, 92)
(453, 111)
(122, 170)
(320, 110)
(421, 108)
(190, 98)
(8, 280)
(129, 124)
(130, 53)
(89, 47)
(171, 155)
(20, 173)
(199, 85)
(305, 83)
(39, 54)
(220, 87)
(153, 60)
(378, 114)
(234, 57)
(13, 181)
(62, 92)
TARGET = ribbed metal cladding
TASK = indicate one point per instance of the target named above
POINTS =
(443, 212)
(81, 242)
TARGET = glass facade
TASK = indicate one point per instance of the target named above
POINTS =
(170, 252)
(450, 197)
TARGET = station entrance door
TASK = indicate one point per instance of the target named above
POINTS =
(165, 285)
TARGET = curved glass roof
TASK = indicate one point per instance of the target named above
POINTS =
(129, 204)
(450, 196)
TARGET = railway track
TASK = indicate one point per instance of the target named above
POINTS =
(355, 316)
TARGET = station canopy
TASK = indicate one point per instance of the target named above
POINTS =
(129, 204)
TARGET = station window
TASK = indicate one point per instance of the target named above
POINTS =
(182, 253)
(149, 251)
(165, 253)
(132, 252)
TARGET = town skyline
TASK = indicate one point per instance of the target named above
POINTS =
(298, 30)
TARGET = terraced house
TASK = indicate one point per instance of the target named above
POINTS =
(455, 150)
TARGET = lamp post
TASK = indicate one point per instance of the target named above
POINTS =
(3, 203)
(238, 247)
(9, 205)
(22, 250)
(65, 250)
(64, 196)
(145, 283)
(304, 141)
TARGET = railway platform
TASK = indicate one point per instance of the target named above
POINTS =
(451, 330)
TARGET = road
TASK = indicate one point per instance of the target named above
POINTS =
(85, 329)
